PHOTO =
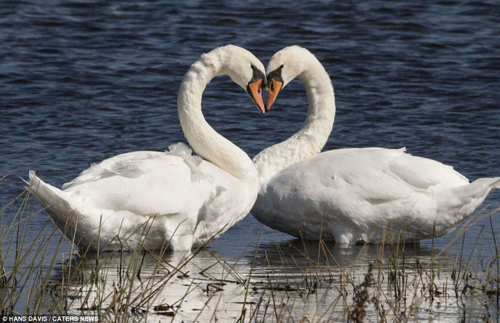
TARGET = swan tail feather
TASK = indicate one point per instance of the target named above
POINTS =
(54, 202)
(465, 199)
(478, 189)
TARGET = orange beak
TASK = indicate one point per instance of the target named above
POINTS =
(255, 91)
(274, 88)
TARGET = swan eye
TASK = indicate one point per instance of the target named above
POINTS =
(257, 75)
(275, 75)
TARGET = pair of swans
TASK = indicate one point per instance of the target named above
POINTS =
(174, 198)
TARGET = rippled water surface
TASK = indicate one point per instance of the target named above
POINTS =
(81, 81)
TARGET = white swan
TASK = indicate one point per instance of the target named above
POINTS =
(158, 198)
(371, 195)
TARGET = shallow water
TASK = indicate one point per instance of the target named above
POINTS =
(280, 281)
(81, 81)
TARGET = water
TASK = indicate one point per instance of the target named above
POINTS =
(81, 81)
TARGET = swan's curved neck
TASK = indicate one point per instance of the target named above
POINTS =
(312, 137)
(204, 140)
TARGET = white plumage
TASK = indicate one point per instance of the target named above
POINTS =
(372, 195)
(155, 199)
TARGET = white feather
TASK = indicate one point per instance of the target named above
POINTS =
(153, 199)
(354, 195)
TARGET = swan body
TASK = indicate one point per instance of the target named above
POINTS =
(157, 199)
(373, 195)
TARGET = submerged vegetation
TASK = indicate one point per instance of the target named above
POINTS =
(292, 281)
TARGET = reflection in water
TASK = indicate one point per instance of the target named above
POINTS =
(333, 281)
(290, 280)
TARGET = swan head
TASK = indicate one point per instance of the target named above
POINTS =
(245, 70)
(283, 67)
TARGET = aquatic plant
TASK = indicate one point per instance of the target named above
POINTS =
(41, 273)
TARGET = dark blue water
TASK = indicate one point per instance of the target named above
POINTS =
(81, 81)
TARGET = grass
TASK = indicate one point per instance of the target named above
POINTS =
(291, 281)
